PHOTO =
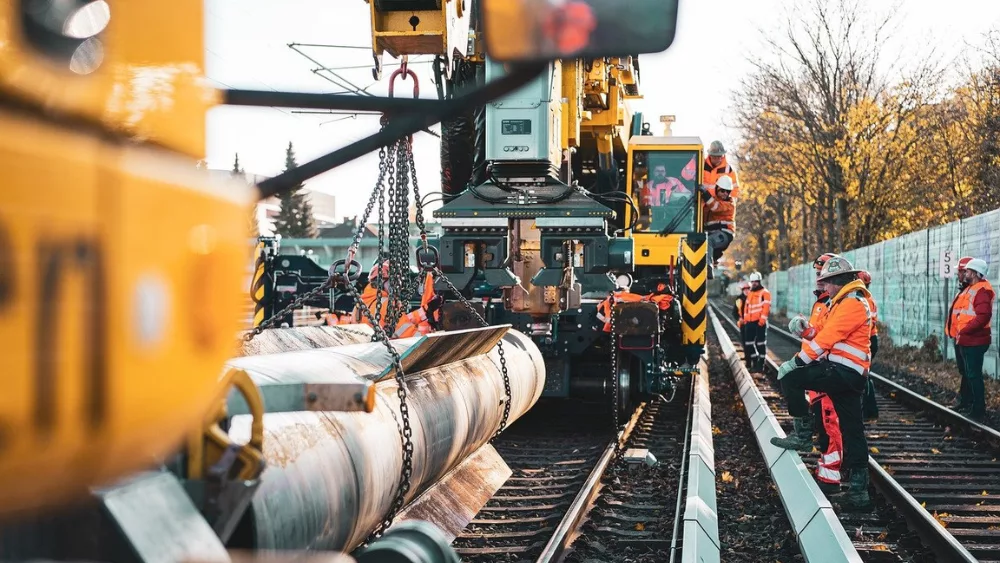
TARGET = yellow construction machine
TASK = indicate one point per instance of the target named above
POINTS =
(132, 422)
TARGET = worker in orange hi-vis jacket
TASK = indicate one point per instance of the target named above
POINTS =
(717, 166)
(420, 321)
(836, 361)
(826, 422)
(755, 312)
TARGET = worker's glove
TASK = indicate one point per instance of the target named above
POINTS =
(786, 368)
(798, 325)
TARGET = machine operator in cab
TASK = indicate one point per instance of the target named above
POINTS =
(836, 362)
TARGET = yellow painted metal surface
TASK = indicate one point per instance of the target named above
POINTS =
(572, 91)
(150, 84)
(122, 285)
(652, 249)
(443, 31)
(694, 278)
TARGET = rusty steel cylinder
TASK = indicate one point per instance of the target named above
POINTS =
(332, 476)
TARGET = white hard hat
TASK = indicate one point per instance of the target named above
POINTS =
(724, 183)
(978, 265)
(836, 266)
(755, 277)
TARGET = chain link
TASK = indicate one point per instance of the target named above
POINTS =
(614, 366)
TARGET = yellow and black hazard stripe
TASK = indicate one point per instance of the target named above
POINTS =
(258, 285)
(694, 298)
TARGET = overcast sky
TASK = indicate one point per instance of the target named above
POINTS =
(247, 47)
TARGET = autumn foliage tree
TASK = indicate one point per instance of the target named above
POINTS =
(845, 144)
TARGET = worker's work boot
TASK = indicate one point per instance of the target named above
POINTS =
(801, 437)
(856, 497)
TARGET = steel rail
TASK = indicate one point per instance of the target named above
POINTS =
(564, 534)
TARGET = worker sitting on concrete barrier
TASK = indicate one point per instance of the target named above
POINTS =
(869, 403)
(825, 420)
(755, 311)
(836, 362)
(420, 321)
(969, 324)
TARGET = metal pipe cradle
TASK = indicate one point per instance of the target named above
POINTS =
(332, 476)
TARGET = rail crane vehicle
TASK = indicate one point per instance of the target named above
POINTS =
(141, 422)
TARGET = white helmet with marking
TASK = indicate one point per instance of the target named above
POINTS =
(978, 265)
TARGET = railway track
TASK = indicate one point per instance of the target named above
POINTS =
(554, 452)
(636, 517)
(933, 468)
(571, 498)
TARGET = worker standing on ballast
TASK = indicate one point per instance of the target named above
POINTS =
(969, 324)
(826, 422)
(835, 361)
(755, 312)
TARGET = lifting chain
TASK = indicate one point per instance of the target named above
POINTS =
(615, 384)
(396, 285)
(435, 268)
(614, 366)
(503, 360)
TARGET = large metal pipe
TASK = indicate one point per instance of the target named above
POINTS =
(332, 476)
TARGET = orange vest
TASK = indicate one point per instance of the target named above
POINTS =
(757, 306)
(719, 212)
(710, 175)
(962, 311)
(845, 337)
(410, 324)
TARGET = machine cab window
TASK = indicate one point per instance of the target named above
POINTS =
(664, 187)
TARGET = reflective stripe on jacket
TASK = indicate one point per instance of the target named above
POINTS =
(757, 306)
(845, 337)
(710, 175)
